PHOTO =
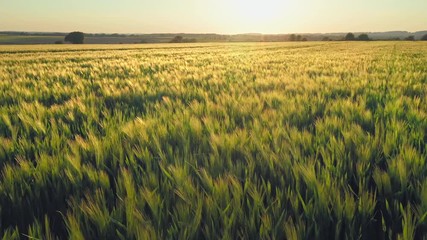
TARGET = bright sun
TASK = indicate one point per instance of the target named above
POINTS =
(260, 12)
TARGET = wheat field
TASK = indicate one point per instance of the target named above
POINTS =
(214, 141)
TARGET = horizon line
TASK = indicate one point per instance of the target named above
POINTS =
(206, 33)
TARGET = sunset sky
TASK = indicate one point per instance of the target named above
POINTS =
(213, 16)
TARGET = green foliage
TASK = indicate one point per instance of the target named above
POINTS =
(180, 39)
(410, 38)
(363, 37)
(75, 38)
(213, 141)
(349, 37)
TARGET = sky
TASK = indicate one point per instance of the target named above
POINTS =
(213, 16)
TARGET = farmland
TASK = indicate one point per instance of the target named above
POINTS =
(214, 141)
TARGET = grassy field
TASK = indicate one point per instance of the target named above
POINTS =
(214, 141)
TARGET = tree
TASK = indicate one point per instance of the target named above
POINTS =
(410, 38)
(349, 37)
(424, 38)
(363, 37)
(299, 38)
(180, 39)
(326, 39)
(177, 39)
(75, 38)
(292, 37)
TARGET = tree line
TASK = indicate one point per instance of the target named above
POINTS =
(364, 37)
(78, 38)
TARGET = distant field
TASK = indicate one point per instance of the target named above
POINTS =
(214, 141)
(11, 39)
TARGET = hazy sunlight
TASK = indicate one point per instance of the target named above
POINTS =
(213, 16)
(258, 13)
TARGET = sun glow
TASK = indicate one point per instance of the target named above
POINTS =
(258, 13)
